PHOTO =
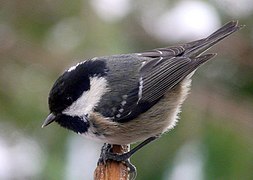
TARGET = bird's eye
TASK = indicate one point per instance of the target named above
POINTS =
(69, 98)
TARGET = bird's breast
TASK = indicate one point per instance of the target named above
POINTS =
(157, 120)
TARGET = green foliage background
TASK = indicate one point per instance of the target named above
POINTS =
(218, 114)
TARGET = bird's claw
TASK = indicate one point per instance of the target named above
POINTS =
(106, 148)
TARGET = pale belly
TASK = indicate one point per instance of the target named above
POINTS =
(160, 118)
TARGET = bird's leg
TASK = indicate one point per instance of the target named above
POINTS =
(125, 156)
(106, 148)
(106, 153)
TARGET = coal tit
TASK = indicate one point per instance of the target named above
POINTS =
(128, 98)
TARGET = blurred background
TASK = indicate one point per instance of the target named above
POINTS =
(40, 39)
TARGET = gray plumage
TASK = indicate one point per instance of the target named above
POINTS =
(128, 98)
(158, 71)
(123, 99)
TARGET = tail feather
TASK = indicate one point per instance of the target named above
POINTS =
(198, 61)
(200, 46)
(228, 29)
(192, 49)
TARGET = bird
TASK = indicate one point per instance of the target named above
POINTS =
(129, 98)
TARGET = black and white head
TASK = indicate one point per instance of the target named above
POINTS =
(75, 94)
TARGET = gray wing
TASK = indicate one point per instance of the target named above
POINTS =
(157, 76)
(165, 68)
(158, 79)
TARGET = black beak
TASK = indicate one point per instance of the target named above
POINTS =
(50, 118)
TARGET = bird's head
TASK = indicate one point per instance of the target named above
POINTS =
(75, 94)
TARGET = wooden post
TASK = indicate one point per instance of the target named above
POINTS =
(113, 170)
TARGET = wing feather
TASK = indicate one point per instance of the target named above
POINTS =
(159, 80)
(164, 68)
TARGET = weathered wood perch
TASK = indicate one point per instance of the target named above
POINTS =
(113, 170)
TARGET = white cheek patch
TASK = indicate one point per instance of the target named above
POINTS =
(89, 99)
